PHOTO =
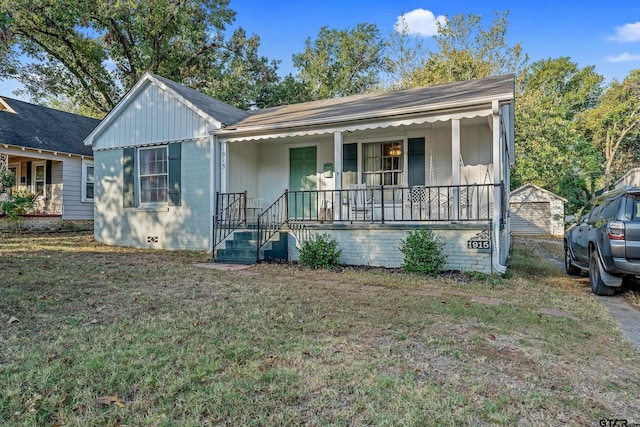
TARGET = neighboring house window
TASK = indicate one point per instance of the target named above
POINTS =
(153, 174)
(88, 180)
(39, 179)
(382, 163)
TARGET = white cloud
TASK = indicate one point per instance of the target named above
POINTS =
(421, 22)
(628, 33)
(624, 57)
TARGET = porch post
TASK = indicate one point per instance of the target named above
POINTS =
(455, 166)
(224, 161)
(4, 162)
(337, 174)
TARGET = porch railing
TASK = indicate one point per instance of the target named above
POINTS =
(271, 220)
(381, 204)
(231, 211)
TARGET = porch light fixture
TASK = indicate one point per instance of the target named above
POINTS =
(395, 150)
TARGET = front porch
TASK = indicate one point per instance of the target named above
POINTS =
(368, 222)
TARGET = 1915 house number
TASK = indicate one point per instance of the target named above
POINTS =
(478, 244)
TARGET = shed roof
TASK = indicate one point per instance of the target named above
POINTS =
(532, 189)
(32, 126)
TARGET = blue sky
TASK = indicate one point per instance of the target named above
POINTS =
(605, 34)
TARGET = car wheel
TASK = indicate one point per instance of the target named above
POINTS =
(571, 269)
(597, 285)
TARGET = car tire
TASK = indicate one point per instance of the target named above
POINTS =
(571, 269)
(597, 285)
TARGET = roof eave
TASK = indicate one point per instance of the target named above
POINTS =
(397, 112)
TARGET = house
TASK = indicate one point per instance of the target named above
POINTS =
(630, 179)
(44, 148)
(535, 210)
(178, 169)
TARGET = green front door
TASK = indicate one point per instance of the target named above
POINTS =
(303, 168)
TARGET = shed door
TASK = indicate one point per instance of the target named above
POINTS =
(531, 218)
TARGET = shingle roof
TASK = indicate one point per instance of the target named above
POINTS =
(34, 126)
(225, 113)
(377, 104)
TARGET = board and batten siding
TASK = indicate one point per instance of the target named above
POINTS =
(154, 116)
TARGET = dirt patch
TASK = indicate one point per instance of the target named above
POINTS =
(557, 313)
(371, 288)
(222, 267)
(486, 300)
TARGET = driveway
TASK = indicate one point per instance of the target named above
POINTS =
(627, 315)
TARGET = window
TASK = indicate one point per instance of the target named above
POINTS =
(383, 163)
(153, 175)
(88, 181)
(39, 179)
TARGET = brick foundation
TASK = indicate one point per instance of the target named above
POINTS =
(44, 223)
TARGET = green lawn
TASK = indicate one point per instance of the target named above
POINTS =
(120, 336)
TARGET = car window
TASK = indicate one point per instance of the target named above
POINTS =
(635, 211)
(610, 208)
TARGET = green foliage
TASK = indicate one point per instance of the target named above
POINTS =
(466, 50)
(422, 250)
(320, 252)
(19, 203)
(93, 52)
(7, 180)
(341, 62)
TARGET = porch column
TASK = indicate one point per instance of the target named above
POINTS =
(337, 160)
(4, 162)
(337, 173)
(224, 161)
(455, 166)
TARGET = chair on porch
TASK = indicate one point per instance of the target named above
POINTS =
(360, 206)
(426, 203)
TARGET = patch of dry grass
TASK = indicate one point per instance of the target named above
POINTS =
(120, 336)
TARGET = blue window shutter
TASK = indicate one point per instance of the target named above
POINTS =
(416, 157)
(29, 172)
(128, 177)
(175, 172)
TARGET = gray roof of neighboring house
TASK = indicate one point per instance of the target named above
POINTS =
(34, 126)
(225, 113)
(376, 105)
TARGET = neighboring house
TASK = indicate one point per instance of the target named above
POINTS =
(535, 210)
(365, 169)
(630, 179)
(44, 148)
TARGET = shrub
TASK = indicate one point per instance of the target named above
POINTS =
(422, 250)
(20, 203)
(320, 252)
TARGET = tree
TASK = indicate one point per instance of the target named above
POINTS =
(467, 51)
(93, 52)
(405, 55)
(550, 151)
(341, 62)
(613, 127)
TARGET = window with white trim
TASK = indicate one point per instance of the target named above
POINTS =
(39, 179)
(153, 174)
(382, 163)
(88, 181)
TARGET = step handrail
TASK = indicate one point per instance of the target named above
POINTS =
(231, 211)
(271, 220)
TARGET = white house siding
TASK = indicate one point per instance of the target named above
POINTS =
(153, 116)
(379, 246)
(168, 227)
(74, 207)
